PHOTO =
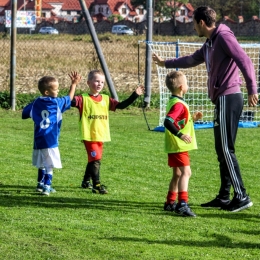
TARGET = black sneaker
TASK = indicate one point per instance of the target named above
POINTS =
(170, 206)
(184, 210)
(101, 189)
(238, 204)
(215, 203)
(86, 185)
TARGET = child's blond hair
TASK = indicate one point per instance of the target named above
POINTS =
(173, 80)
(92, 73)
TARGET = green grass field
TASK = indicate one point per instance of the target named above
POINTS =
(129, 222)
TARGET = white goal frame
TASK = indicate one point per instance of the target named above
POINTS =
(197, 96)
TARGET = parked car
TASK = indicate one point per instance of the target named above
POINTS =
(48, 30)
(122, 29)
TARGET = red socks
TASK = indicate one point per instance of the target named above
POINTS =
(171, 197)
(182, 196)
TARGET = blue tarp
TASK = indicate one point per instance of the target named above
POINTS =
(210, 125)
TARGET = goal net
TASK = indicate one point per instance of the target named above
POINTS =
(197, 96)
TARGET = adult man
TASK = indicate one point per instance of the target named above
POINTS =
(223, 57)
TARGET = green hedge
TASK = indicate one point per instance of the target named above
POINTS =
(23, 99)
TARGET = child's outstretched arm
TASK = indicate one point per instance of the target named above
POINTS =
(75, 80)
(124, 104)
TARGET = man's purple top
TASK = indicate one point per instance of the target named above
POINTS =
(223, 57)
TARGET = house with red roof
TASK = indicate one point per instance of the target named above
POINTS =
(99, 9)
(183, 12)
(68, 9)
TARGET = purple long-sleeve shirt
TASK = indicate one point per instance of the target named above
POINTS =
(223, 57)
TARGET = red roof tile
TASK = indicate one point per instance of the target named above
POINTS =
(4, 2)
(46, 5)
(71, 5)
(189, 7)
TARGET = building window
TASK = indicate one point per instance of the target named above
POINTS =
(107, 10)
(69, 12)
(43, 15)
(141, 11)
(100, 9)
(123, 10)
(182, 12)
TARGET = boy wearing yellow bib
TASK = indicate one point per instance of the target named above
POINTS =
(179, 139)
(94, 125)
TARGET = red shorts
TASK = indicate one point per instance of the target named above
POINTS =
(178, 159)
(94, 150)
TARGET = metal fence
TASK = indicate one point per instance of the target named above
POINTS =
(56, 55)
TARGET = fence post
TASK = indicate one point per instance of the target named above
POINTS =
(13, 55)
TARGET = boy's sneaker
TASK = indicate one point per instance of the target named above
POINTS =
(47, 190)
(170, 206)
(39, 187)
(101, 189)
(86, 185)
(238, 204)
(184, 210)
(216, 203)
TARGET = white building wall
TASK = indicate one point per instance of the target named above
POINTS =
(181, 18)
(127, 10)
(57, 8)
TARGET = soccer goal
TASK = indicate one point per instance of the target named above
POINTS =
(197, 96)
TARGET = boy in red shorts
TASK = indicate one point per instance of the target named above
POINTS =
(94, 125)
(179, 139)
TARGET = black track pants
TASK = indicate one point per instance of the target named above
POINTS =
(227, 113)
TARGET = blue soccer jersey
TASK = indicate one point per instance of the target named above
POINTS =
(46, 112)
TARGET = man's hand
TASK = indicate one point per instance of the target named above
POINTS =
(158, 60)
(252, 100)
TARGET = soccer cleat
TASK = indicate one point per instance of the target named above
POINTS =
(170, 206)
(238, 204)
(39, 187)
(86, 185)
(184, 210)
(216, 203)
(47, 190)
(101, 189)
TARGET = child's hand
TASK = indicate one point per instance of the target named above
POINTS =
(196, 116)
(186, 138)
(75, 77)
(140, 90)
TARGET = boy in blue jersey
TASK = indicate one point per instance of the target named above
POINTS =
(46, 112)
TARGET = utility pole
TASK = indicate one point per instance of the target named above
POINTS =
(13, 55)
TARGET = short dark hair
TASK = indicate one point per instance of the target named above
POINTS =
(205, 13)
(92, 73)
(45, 83)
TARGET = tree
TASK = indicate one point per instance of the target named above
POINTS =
(162, 8)
(111, 17)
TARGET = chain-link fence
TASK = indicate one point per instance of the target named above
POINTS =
(57, 55)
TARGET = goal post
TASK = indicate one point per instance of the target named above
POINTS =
(197, 96)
